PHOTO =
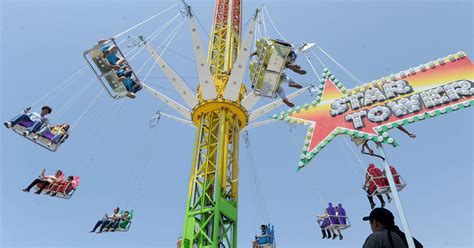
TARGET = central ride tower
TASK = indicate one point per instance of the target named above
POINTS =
(211, 208)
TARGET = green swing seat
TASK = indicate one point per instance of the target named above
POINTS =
(124, 225)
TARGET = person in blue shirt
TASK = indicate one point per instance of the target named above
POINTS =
(110, 53)
(37, 119)
(263, 239)
(130, 83)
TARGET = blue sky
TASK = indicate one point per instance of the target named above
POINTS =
(122, 162)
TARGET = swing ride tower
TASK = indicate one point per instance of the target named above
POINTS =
(219, 109)
(211, 209)
(222, 108)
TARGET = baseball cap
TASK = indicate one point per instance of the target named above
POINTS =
(381, 215)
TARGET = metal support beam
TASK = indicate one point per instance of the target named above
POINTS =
(259, 124)
(234, 83)
(180, 120)
(396, 198)
(208, 90)
(250, 100)
(188, 95)
(273, 105)
(168, 101)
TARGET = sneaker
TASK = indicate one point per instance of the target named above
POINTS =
(300, 71)
(26, 133)
(372, 205)
(91, 231)
(99, 232)
(7, 124)
(37, 192)
(35, 138)
(288, 103)
(113, 230)
(340, 237)
(131, 95)
(334, 237)
(389, 199)
(294, 85)
(25, 190)
(382, 205)
(293, 67)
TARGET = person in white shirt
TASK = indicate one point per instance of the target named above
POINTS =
(107, 220)
(45, 181)
(37, 119)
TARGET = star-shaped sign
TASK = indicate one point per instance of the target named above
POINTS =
(369, 111)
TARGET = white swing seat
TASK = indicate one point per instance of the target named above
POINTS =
(267, 70)
(385, 189)
(40, 140)
(105, 73)
(336, 222)
(60, 191)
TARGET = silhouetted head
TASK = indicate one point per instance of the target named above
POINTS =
(45, 110)
(379, 219)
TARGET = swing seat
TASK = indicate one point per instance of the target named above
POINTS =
(105, 73)
(380, 186)
(334, 222)
(266, 246)
(267, 70)
(124, 225)
(64, 189)
(48, 135)
(42, 141)
(267, 240)
(26, 124)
